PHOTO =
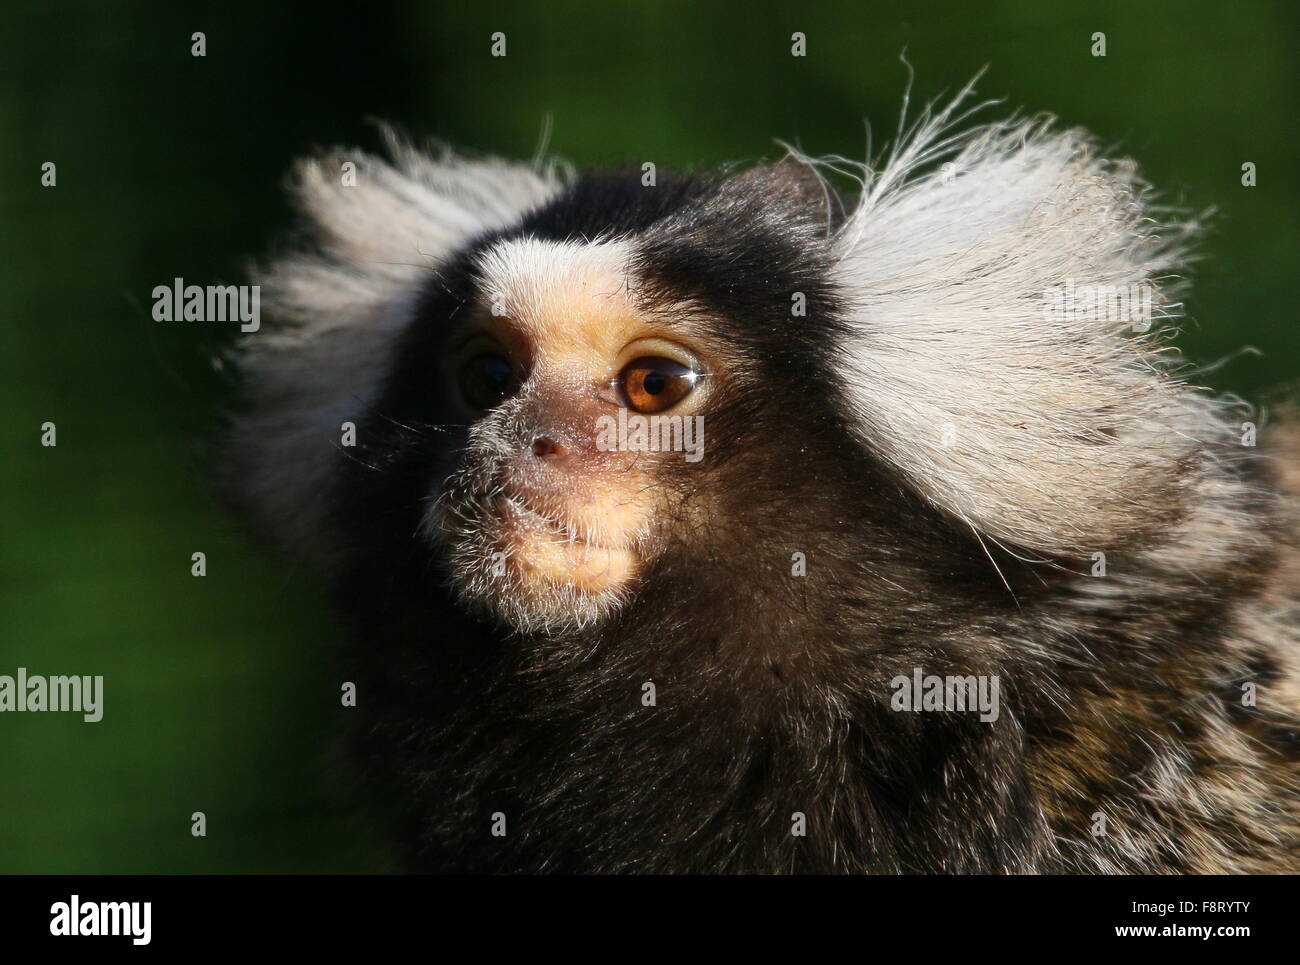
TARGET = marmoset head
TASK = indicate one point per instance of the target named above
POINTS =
(564, 389)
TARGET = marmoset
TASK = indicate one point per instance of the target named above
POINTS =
(802, 516)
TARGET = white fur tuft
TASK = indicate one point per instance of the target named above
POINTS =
(1056, 434)
(338, 310)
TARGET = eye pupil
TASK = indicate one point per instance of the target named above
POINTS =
(497, 371)
(485, 380)
(653, 384)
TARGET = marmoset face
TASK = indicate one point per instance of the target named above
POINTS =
(583, 409)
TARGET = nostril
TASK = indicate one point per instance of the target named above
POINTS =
(544, 447)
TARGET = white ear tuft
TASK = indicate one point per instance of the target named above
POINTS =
(337, 306)
(976, 365)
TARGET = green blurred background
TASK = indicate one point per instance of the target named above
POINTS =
(221, 693)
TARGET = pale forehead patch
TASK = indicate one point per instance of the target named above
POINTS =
(567, 297)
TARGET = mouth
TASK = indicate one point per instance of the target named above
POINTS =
(540, 547)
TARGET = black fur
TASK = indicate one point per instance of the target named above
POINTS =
(773, 689)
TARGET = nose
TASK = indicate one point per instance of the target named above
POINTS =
(548, 450)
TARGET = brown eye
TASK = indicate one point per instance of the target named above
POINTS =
(652, 384)
(486, 380)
